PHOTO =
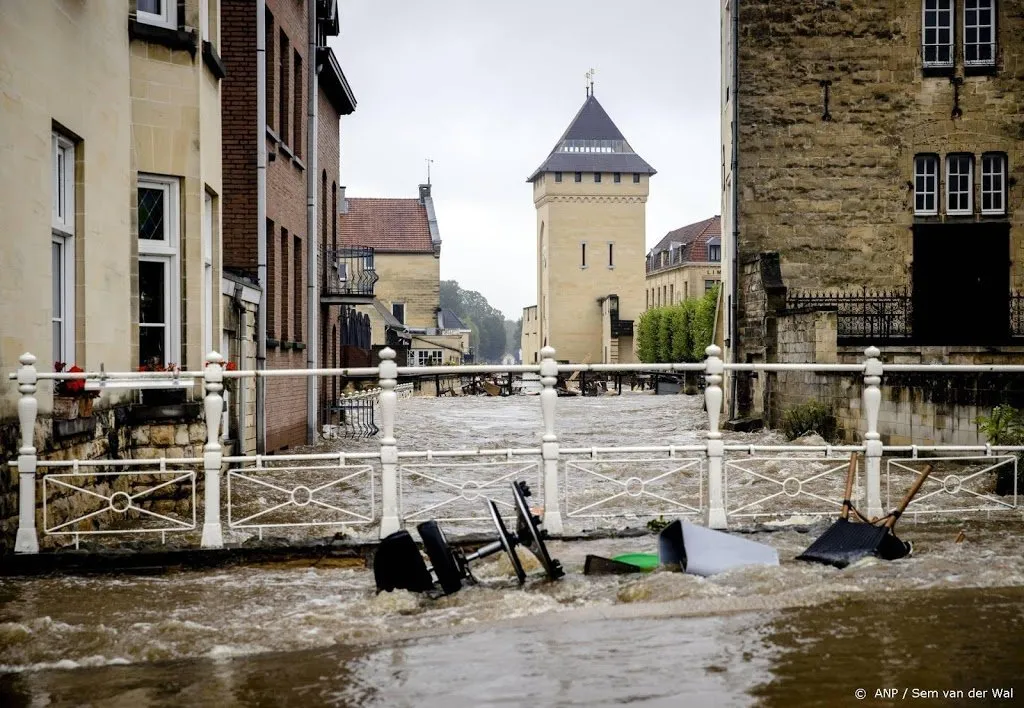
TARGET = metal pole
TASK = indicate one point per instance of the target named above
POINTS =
(312, 240)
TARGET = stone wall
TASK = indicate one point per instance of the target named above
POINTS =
(917, 408)
(835, 197)
(118, 433)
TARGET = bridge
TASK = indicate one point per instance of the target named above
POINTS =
(376, 492)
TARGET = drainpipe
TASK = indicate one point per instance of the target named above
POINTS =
(735, 197)
(241, 317)
(261, 224)
(312, 259)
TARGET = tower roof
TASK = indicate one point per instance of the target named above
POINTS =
(593, 143)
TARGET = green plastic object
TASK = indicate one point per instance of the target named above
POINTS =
(646, 561)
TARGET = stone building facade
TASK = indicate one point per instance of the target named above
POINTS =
(879, 152)
(287, 294)
(110, 135)
(686, 263)
(529, 338)
(590, 194)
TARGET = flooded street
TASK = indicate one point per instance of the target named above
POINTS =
(315, 633)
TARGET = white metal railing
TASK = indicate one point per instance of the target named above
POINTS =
(703, 467)
(638, 486)
(120, 496)
(281, 492)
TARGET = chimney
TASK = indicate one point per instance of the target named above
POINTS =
(424, 192)
(342, 202)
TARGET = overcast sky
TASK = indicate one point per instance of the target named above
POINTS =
(485, 88)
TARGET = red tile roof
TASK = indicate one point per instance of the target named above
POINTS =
(387, 225)
(693, 240)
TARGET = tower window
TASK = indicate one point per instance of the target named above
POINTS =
(558, 176)
(611, 255)
(636, 178)
(937, 35)
(597, 176)
(617, 177)
(959, 184)
(926, 180)
(993, 183)
(583, 254)
(579, 176)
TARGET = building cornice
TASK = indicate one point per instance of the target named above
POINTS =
(589, 199)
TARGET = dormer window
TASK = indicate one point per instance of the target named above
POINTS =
(714, 253)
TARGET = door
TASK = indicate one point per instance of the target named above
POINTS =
(961, 284)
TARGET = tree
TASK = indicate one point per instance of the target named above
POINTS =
(489, 340)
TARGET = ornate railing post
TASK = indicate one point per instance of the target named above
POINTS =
(213, 405)
(27, 541)
(389, 519)
(713, 370)
(872, 440)
(549, 446)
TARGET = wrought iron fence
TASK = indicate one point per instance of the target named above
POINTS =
(863, 317)
(1016, 314)
(347, 270)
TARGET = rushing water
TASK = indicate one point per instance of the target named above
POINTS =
(315, 633)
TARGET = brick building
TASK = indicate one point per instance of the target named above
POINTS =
(686, 263)
(874, 150)
(284, 213)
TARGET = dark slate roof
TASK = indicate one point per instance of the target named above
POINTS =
(691, 241)
(593, 143)
(446, 319)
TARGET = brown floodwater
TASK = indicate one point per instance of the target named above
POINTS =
(950, 617)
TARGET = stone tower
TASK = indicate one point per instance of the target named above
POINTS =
(591, 196)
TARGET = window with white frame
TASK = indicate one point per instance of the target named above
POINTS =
(993, 183)
(159, 308)
(959, 184)
(937, 33)
(208, 293)
(62, 249)
(162, 13)
(979, 32)
(427, 357)
(926, 185)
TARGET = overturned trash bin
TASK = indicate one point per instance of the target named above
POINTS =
(702, 551)
(686, 547)
(398, 564)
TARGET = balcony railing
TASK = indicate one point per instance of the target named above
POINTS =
(864, 316)
(347, 272)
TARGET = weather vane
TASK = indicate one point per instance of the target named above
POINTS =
(429, 161)
(590, 82)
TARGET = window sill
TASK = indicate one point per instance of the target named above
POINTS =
(287, 151)
(981, 70)
(273, 136)
(297, 161)
(213, 61)
(298, 346)
(170, 38)
(272, 343)
(937, 71)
